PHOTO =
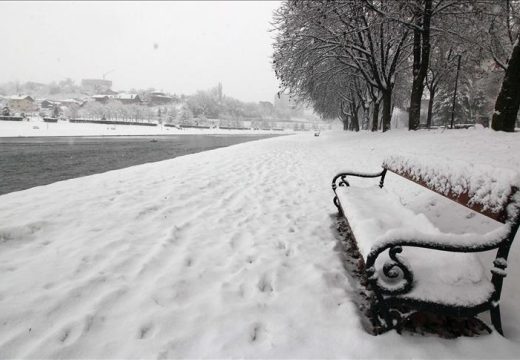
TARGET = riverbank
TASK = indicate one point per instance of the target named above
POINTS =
(228, 253)
(37, 128)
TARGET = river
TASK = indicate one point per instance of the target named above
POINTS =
(30, 162)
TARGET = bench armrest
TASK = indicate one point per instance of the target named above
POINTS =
(341, 178)
(396, 239)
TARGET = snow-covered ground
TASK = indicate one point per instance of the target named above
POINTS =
(226, 253)
(64, 128)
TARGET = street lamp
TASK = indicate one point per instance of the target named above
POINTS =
(455, 92)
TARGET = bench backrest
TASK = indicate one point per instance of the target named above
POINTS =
(490, 191)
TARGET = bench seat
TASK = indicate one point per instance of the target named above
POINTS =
(443, 277)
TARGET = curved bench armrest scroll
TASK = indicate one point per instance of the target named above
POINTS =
(394, 241)
(341, 178)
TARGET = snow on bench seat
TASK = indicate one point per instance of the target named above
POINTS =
(443, 277)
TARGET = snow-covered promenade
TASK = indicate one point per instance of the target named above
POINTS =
(229, 253)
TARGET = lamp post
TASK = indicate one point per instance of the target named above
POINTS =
(455, 92)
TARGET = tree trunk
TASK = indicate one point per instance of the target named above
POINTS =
(387, 109)
(355, 123)
(344, 117)
(345, 122)
(366, 117)
(430, 108)
(508, 100)
(421, 60)
(414, 113)
(375, 116)
(354, 117)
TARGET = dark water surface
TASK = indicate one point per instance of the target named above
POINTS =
(29, 162)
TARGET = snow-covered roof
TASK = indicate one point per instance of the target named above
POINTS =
(20, 97)
(126, 96)
(160, 95)
(110, 92)
(70, 101)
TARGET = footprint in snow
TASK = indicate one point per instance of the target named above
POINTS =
(69, 333)
(284, 247)
(251, 259)
(65, 335)
(146, 211)
(259, 333)
(188, 262)
(264, 285)
(145, 331)
(17, 234)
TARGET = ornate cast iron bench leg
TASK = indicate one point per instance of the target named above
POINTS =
(495, 319)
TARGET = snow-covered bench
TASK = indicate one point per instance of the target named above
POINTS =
(410, 265)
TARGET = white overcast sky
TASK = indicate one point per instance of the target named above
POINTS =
(178, 47)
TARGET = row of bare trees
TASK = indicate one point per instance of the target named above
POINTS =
(357, 59)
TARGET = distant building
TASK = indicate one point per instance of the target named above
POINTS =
(128, 98)
(72, 102)
(22, 103)
(96, 85)
(108, 92)
(48, 104)
(102, 98)
(160, 98)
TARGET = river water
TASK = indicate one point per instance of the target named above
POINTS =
(29, 162)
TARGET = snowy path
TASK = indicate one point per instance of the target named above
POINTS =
(226, 253)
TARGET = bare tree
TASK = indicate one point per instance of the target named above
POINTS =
(441, 66)
(310, 34)
(427, 19)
